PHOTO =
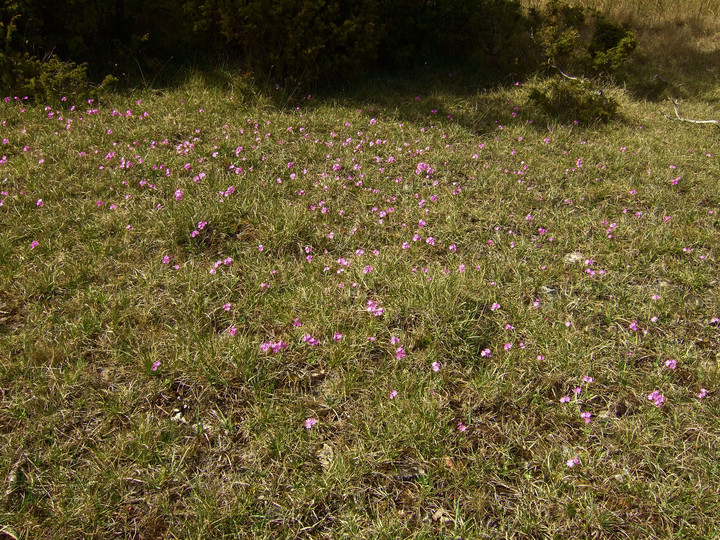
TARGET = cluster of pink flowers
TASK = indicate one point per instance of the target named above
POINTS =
(307, 338)
(273, 346)
(374, 309)
(657, 398)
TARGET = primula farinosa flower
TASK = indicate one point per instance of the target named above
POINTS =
(296, 322)
(588, 379)
(228, 261)
(633, 326)
(393, 394)
(156, 365)
(227, 307)
(264, 285)
(39, 203)
(453, 248)
(573, 462)
(565, 399)
(166, 259)
(310, 422)
(374, 309)
(232, 330)
(577, 390)
(486, 353)
(179, 194)
(461, 427)
(338, 336)
(436, 366)
(507, 346)
(657, 398)
(367, 269)
(307, 338)
(701, 394)
(585, 416)
(273, 346)
(494, 306)
(430, 240)
(400, 353)
(394, 340)
(260, 247)
(670, 363)
(34, 244)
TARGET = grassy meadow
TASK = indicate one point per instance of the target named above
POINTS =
(423, 311)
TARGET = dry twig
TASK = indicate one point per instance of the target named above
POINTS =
(683, 119)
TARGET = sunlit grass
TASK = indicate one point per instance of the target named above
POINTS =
(451, 381)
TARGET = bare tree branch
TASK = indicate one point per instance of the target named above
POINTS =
(582, 79)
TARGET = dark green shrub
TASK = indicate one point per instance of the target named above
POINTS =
(297, 40)
(576, 43)
(568, 100)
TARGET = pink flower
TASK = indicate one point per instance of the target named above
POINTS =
(400, 353)
(494, 306)
(307, 338)
(338, 336)
(572, 462)
(34, 244)
(274, 347)
(166, 259)
(393, 394)
(226, 307)
(436, 366)
(310, 422)
(585, 416)
(507, 346)
(565, 399)
(367, 269)
(430, 240)
(232, 331)
(228, 261)
(657, 398)
(39, 203)
(179, 194)
(461, 427)
(670, 363)
(577, 390)
(588, 379)
(702, 393)
(260, 247)
(156, 364)
(296, 322)
(486, 353)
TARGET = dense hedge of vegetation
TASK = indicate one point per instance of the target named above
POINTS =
(50, 45)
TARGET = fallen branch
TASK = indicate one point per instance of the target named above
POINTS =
(683, 119)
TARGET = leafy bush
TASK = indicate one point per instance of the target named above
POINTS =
(569, 100)
(574, 42)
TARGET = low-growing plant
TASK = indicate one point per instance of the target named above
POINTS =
(569, 100)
